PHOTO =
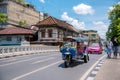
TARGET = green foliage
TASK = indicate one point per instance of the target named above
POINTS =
(23, 23)
(115, 13)
(3, 18)
(114, 27)
(22, 2)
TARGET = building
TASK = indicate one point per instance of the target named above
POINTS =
(52, 31)
(19, 14)
(15, 36)
(92, 35)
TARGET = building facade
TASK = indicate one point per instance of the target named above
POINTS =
(52, 31)
(15, 36)
(18, 13)
(92, 36)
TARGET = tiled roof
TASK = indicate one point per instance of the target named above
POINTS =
(15, 31)
(53, 21)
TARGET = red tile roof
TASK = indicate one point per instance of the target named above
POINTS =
(53, 21)
(16, 31)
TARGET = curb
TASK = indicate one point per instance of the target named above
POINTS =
(94, 72)
(6, 55)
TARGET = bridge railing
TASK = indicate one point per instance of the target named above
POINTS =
(6, 51)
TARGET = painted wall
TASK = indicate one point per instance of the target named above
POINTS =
(9, 40)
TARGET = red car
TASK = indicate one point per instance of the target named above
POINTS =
(95, 48)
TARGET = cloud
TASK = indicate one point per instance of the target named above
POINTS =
(118, 2)
(111, 8)
(83, 9)
(72, 21)
(101, 27)
(43, 1)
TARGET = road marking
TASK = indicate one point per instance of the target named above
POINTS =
(20, 61)
(43, 60)
(39, 69)
(89, 70)
(8, 60)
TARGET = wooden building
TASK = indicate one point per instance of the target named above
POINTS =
(52, 31)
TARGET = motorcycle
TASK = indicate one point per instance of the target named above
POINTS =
(67, 56)
(71, 53)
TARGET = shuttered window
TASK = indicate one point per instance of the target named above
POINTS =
(43, 33)
(50, 33)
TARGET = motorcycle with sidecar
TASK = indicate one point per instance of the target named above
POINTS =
(73, 50)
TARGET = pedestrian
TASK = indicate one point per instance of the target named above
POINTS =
(115, 47)
(108, 47)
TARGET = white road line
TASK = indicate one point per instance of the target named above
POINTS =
(89, 70)
(21, 61)
(43, 60)
(8, 60)
(29, 73)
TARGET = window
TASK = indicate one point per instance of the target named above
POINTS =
(43, 33)
(50, 33)
(93, 36)
(9, 38)
(3, 9)
(19, 39)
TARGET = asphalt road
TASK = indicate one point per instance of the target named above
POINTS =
(43, 66)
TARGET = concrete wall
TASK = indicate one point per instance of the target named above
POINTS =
(17, 12)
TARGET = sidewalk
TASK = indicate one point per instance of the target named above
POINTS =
(110, 70)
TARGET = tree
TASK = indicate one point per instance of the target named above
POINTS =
(22, 23)
(21, 2)
(114, 27)
(3, 18)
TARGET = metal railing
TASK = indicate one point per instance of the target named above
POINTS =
(6, 51)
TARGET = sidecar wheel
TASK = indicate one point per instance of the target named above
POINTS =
(88, 58)
(65, 64)
(85, 59)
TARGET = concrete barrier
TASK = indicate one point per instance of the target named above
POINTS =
(8, 51)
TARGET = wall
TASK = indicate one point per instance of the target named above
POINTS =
(17, 12)
(15, 40)
(46, 34)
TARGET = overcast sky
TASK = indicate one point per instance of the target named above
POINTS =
(82, 14)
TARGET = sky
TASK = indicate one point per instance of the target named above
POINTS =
(82, 14)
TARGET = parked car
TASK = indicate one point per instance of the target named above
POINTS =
(95, 48)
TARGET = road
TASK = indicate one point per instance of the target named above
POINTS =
(43, 66)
